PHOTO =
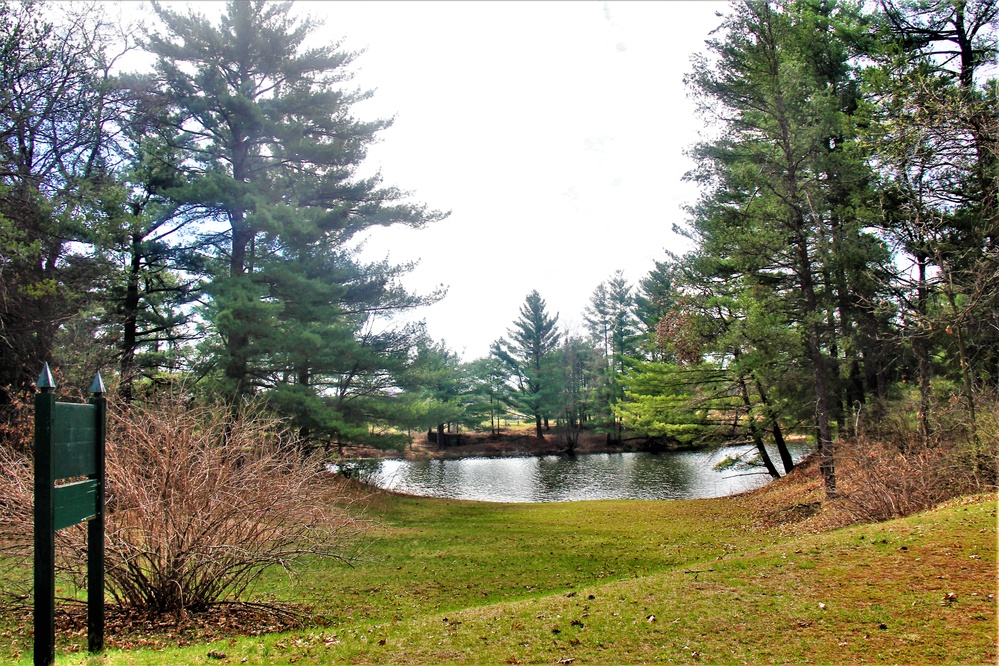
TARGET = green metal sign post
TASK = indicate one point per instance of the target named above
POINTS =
(69, 442)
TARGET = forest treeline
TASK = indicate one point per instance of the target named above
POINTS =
(196, 226)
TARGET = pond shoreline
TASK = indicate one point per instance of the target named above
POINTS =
(517, 444)
(526, 476)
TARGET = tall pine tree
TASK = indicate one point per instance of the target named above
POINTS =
(273, 150)
(529, 354)
(785, 188)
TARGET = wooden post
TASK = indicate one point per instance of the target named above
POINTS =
(44, 616)
(95, 526)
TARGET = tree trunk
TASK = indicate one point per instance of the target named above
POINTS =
(921, 349)
(129, 340)
(303, 379)
(755, 432)
(814, 347)
(237, 341)
(785, 454)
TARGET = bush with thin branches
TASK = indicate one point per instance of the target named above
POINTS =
(881, 481)
(894, 470)
(16, 522)
(200, 502)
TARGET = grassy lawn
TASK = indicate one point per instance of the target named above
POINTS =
(625, 582)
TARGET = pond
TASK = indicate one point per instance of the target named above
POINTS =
(672, 475)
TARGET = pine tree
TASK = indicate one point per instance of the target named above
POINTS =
(148, 301)
(273, 150)
(533, 339)
(783, 211)
(574, 362)
(613, 328)
(439, 388)
(653, 300)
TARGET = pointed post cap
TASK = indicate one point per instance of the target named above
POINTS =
(97, 388)
(45, 381)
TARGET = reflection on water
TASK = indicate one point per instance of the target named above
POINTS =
(676, 475)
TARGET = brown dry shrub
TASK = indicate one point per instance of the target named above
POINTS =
(16, 422)
(890, 471)
(199, 504)
(879, 481)
(894, 471)
(16, 522)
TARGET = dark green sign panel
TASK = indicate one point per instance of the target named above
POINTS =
(74, 502)
(69, 444)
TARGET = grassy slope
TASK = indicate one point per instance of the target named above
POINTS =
(635, 582)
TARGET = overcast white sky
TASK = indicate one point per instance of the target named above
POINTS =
(553, 131)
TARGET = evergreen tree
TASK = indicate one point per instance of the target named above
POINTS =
(574, 362)
(611, 321)
(440, 387)
(676, 404)
(148, 300)
(272, 151)
(785, 188)
(749, 333)
(487, 376)
(654, 298)
(58, 111)
(528, 355)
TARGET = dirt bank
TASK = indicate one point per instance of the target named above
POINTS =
(505, 443)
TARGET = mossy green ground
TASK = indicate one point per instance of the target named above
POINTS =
(626, 582)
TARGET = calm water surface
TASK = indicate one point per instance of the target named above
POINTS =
(675, 475)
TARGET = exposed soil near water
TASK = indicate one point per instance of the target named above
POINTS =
(507, 442)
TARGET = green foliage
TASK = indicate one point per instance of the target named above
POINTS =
(270, 148)
(440, 392)
(613, 327)
(489, 393)
(679, 403)
(529, 358)
(654, 299)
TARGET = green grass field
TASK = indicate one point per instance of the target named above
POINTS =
(623, 582)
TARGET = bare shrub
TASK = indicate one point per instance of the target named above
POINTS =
(881, 481)
(16, 525)
(199, 504)
(894, 471)
(16, 422)
(980, 456)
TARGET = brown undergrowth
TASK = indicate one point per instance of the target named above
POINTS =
(875, 481)
(130, 628)
(200, 502)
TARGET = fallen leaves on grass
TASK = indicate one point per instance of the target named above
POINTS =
(131, 629)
